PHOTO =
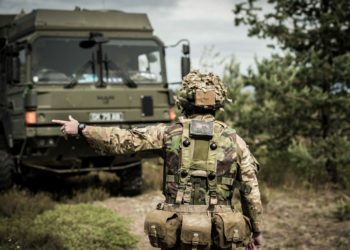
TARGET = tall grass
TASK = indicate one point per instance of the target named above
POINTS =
(34, 219)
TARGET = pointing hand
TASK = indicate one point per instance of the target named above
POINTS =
(68, 127)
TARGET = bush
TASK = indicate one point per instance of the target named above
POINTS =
(342, 210)
(152, 171)
(30, 221)
(21, 203)
(86, 227)
(89, 195)
(18, 209)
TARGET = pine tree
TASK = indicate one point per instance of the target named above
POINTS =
(301, 107)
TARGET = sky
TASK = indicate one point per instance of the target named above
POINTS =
(208, 24)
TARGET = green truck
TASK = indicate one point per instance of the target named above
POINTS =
(104, 68)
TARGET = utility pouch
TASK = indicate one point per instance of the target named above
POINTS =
(231, 228)
(196, 230)
(162, 228)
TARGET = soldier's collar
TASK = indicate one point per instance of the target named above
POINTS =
(207, 117)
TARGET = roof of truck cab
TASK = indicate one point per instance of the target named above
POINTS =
(79, 19)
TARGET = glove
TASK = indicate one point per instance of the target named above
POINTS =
(256, 244)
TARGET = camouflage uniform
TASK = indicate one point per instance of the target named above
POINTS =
(200, 177)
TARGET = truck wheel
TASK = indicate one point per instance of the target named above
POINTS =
(131, 180)
(7, 166)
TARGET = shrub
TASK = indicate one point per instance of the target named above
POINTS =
(18, 208)
(30, 221)
(21, 203)
(152, 171)
(342, 210)
(89, 195)
(86, 227)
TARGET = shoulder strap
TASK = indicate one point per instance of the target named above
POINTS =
(184, 189)
(212, 162)
(187, 153)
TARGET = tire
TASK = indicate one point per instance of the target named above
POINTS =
(131, 180)
(7, 166)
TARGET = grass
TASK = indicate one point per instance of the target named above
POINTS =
(85, 226)
(152, 171)
(36, 221)
(22, 203)
(342, 209)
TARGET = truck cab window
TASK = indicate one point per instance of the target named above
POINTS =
(59, 60)
(22, 64)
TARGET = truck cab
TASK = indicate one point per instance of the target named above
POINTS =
(104, 68)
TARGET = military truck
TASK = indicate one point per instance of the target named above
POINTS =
(104, 68)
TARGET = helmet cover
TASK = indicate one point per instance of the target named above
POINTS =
(205, 91)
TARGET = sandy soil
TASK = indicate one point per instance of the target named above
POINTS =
(292, 220)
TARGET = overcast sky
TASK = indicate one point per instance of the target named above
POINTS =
(206, 23)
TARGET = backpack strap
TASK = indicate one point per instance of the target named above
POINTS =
(190, 162)
(185, 186)
(212, 163)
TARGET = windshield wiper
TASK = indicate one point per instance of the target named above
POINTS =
(80, 72)
(128, 81)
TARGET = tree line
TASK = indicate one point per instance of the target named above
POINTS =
(294, 108)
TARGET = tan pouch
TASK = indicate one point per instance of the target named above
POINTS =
(196, 229)
(231, 227)
(162, 228)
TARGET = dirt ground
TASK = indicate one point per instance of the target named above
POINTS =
(291, 220)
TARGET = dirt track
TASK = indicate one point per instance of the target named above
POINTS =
(292, 220)
(135, 209)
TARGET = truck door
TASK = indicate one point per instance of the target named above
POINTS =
(13, 69)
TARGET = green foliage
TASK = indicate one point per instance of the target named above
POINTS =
(296, 115)
(30, 221)
(152, 174)
(21, 203)
(342, 211)
(18, 209)
(89, 195)
(86, 226)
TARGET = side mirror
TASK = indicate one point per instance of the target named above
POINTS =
(186, 49)
(185, 65)
(185, 59)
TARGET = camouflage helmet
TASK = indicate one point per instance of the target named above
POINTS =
(200, 90)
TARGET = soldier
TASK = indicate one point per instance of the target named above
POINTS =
(204, 161)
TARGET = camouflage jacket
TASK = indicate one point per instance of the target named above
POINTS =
(233, 158)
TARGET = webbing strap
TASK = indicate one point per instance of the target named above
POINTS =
(225, 180)
(212, 163)
(186, 152)
(184, 189)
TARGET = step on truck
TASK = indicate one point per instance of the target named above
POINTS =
(104, 68)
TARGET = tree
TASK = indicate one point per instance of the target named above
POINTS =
(302, 104)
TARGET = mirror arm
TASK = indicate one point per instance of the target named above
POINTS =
(184, 40)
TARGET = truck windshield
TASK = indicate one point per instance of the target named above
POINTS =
(62, 60)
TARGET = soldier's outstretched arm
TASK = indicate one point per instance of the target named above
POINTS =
(122, 141)
(251, 201)
(116, 140)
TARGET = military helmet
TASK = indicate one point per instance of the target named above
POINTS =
(203, 91)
